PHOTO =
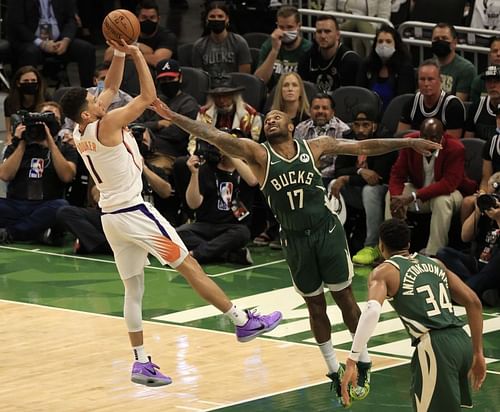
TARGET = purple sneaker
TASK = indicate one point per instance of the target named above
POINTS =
(257, 325)
(146, 374)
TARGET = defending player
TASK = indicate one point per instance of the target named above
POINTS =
(133, 227)
(421, 291)
(312, 237)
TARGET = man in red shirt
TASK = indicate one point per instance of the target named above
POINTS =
(433, 184)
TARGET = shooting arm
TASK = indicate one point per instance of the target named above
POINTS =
(113, 80)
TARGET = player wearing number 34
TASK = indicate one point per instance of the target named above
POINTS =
(421, 291)
(312, 236)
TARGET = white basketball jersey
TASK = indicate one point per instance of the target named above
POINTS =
(117, 170)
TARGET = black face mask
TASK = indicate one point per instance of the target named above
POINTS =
(170, 89)
(216, 26)
(441, 48)
(148, 27)
(29, 88)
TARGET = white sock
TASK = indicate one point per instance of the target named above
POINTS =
(364, 356)
(237, 316)
(328, 353)
(140, 354)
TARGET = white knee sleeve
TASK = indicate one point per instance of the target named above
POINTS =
(132, 304)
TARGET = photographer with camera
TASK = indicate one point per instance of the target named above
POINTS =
(480, 270)
(37, 166)
(220, 192)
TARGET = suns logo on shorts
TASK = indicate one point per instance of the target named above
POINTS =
(304, 157)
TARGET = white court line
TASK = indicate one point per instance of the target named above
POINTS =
(493, 372)
(41, 252)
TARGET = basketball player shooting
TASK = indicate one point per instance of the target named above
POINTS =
(132, 226)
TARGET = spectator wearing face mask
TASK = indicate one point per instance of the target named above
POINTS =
(26, 92)
(282, 52)
(220, 51)
(170, 141)
(155, 42)
(387, 70)
(457, 73)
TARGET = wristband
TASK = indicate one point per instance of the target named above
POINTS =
(119, 53)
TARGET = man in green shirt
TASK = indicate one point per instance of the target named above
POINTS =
(457, 73)
(282, 52)
(421, 291)
(312, 236)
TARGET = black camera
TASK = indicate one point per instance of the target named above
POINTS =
(34, 122)
(207, 152)
(487, 201)
(137, 131)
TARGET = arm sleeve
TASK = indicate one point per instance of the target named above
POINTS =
(366, 326)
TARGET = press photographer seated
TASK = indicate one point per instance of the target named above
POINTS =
(220, 191)
(36, 167)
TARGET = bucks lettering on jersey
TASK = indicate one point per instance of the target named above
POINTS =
(293, 188)
(423, 300)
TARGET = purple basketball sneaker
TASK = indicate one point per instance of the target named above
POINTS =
(147, 374)
(257, 325)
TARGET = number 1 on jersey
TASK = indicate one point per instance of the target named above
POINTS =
(296, 193)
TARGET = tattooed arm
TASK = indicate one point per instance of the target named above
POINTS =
(371, 147)
(246, 149)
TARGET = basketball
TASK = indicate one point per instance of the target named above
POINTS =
(121, 24)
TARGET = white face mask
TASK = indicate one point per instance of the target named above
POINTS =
(289, 36)
(384, 51)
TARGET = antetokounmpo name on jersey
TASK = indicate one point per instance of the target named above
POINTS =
(292, 177)
(412, 274)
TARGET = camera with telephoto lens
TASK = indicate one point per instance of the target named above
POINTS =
(34, 122)
(207, 152)
(487, 201)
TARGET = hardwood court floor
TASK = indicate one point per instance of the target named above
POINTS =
(64, 344)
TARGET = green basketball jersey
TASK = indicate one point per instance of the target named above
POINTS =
(294, 189)
(423, 301)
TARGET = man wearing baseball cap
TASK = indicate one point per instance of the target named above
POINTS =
(363, 181)
(481, 119)
(170, 139)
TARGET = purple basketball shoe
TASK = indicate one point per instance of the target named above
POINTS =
(147, 374)
(257, 325)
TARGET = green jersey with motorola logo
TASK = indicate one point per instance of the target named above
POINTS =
(423, 300)
(294, 189)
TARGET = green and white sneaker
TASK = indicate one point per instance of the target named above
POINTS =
(366, 256)
(362, 390)
(335, 385)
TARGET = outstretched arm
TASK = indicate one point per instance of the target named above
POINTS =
(371, 147)
(246, 149)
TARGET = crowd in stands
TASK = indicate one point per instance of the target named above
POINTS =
(327, 87)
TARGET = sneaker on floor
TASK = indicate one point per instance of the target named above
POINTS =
(240, 256)
(257, 325)
(336, 378)
(362, 389)
(147, 374)
(366, 256)
(491, 297)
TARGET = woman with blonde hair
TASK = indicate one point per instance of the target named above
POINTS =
(290, 97)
